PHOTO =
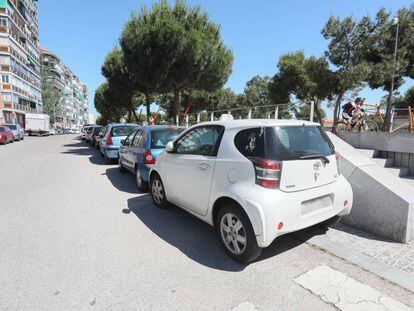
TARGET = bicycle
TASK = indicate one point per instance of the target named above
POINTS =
(362, 125)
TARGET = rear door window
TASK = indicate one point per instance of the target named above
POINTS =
(121, 130)
(251, 142)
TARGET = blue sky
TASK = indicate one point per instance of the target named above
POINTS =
(81, 32)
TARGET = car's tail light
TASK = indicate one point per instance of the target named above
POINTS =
(338, 157)
(149, 158)
(268, 173)
(109, 140)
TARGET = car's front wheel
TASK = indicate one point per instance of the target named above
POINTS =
(236, 234)
(158, 192)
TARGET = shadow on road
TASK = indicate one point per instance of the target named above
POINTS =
(195, 238)
(84, 149)
(122, 182)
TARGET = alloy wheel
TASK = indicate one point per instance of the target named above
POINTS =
(157, 191)
(233, 233)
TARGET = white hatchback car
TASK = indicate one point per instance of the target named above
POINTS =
(253, 180)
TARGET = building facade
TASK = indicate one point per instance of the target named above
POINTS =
(72, 108)
(20, 91)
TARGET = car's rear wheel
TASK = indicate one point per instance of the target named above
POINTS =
(236, 234)
(141, 183)
(158, 192)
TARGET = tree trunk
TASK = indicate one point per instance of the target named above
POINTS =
(129, 116)
(176, 103)
(148, 106)
(318, 113)
(135, 116)
(336, 110)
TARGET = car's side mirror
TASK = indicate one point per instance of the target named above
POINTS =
(123, 142)
(169, 147)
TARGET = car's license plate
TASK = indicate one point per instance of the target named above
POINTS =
(316, 204)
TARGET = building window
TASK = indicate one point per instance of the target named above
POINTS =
(5, 79)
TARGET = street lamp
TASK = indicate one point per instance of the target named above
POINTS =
(395, 22)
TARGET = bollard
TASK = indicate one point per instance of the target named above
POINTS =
(249, 116)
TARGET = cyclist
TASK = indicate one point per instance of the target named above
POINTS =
(350, 110)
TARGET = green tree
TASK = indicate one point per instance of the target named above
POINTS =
(406, 100)
(103, 101)
(303, 113)
(119, 78)
(343, 52)
(174, 49)
(307, 79)
(51, 96)
(378, 36)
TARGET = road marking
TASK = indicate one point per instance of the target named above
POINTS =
(345, 293)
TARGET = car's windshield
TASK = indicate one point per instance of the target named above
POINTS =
(121, 130)
(12, 127)
(160, 138)
(295, 142)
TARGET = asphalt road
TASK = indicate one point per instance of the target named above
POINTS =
(75, 234)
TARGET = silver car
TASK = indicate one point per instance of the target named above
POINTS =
(17, 130)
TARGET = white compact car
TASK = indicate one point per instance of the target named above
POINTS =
(253, 180)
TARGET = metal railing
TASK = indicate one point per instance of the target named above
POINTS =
(257, 112)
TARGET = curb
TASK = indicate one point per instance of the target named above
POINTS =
(370, 264)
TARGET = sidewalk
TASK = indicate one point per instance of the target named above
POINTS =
(390, 260)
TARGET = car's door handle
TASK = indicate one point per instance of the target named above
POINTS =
(204, 166)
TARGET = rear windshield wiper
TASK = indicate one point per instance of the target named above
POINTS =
(316, 156)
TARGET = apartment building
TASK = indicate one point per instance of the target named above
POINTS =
(20, 80)
(72, 108)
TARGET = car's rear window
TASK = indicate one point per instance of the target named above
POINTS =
(294, 142)
(160, 138)
(88, 130)
(12, 127)
(96, 130)
(121, 130)
(283, 143)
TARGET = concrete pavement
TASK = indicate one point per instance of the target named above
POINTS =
(75, 234)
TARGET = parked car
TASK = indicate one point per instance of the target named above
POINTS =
(253, 180)
(139, 151)
(6, 135)
(99, 137)
(83, 131)
(88, 133)
(17, 130)
(95, 132)
(110, 143)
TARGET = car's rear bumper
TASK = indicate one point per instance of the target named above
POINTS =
(112, 152)
(297, 210)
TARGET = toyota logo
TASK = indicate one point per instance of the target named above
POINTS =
(317, 166)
